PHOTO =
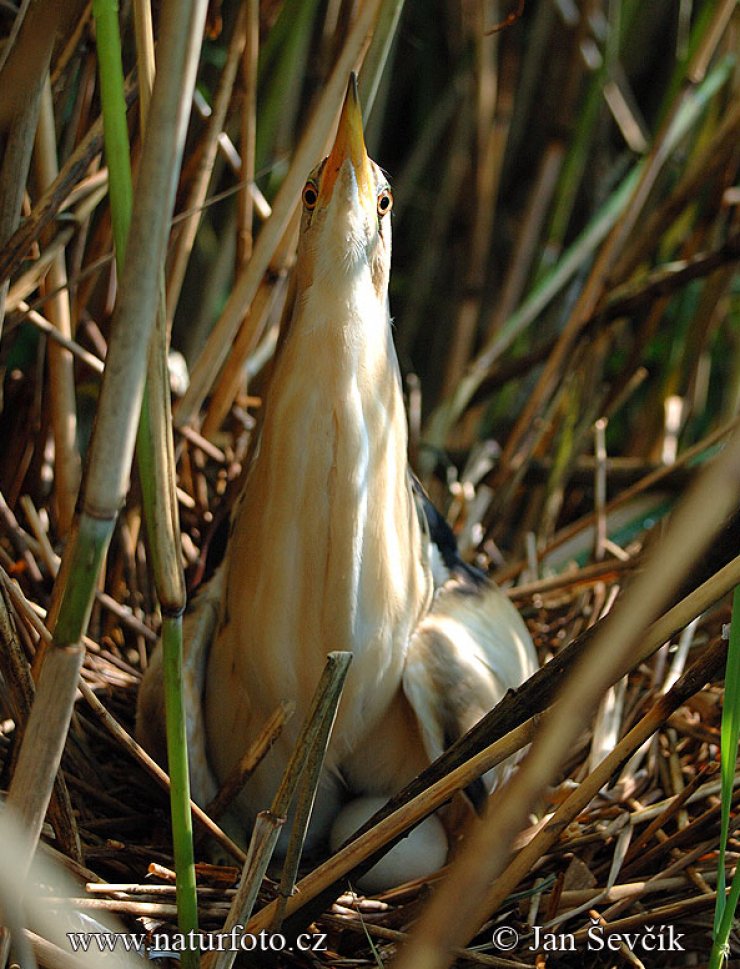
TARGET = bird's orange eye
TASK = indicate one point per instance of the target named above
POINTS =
(385, 202)
(310, 195)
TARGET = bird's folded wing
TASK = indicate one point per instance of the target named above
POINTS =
(199, 630)
(465, 654)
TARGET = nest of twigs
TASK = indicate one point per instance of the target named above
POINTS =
(638, 862)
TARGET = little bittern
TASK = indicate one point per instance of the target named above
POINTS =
(334, 545)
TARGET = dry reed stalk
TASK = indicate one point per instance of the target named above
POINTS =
(310, 747)
(245, 211)
(67, 462)
(268, 298)
(251, 760)
(56, 336)
(304, 158)
(187, 229)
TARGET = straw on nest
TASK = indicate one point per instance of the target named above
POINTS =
(534, 183)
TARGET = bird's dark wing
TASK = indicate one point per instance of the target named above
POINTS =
(466, 652)
(444, 554)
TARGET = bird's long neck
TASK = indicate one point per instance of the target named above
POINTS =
(327, 529)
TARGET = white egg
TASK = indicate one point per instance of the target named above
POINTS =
(420, 853)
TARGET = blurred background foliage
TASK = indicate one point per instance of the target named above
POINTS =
(511, 154)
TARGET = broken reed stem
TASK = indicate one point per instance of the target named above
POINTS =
(314, 736)
(338, 666)
(366, 848)
(251, 760)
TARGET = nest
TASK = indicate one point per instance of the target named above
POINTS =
(635, 867)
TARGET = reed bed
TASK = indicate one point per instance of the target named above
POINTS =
(565, 304)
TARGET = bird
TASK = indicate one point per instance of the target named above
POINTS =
(334, 545)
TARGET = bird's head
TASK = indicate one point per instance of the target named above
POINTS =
(346, 226)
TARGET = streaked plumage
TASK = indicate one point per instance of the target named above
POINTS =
(335, 546)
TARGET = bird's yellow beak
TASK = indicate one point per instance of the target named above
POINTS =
(350, 145)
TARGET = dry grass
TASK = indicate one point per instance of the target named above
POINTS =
(565, 301)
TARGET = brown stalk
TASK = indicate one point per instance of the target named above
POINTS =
(376, 837)
(267, 300)
(67, 462)
(187, 230)
(251, 760)
(245, 208)
(57, 337)
(310, 747)
(663, 914)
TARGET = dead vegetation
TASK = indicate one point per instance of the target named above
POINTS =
(565, 303)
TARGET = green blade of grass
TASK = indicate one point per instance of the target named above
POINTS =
(724, 912)
(156, 466)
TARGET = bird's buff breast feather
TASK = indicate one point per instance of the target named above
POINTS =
(326, 538)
